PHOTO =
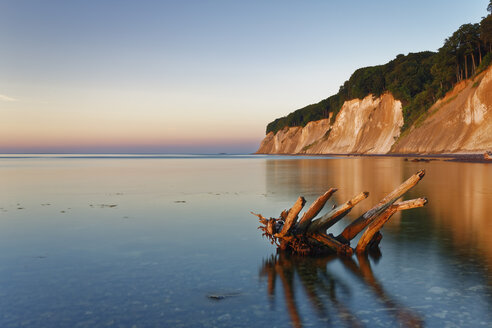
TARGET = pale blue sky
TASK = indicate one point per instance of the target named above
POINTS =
(191, 76)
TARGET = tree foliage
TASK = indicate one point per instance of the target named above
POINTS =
(486, 32)
(417, 79)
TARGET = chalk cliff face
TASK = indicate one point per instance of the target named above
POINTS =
(367, 126)
(294, 140)
(370, 125)
(460, 122)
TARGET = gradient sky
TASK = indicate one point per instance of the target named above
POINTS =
(191, 76)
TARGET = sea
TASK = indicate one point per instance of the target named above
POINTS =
(170, 241)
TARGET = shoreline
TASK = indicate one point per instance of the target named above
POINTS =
(450, 157)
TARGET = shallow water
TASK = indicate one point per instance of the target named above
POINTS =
(168, 241)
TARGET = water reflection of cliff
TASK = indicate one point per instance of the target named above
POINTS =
(460, 194)
(461, 203)
(329, 294)
(312, 177)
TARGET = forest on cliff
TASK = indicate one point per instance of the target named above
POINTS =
(416, 79)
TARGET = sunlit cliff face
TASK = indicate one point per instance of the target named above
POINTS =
(367, 126)
(295, 139)
(460, 122)
(370, 125)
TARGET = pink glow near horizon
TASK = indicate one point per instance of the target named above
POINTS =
(136, 143)
(63, 132)
(204, 146)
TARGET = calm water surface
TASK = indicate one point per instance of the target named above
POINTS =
(168, 241)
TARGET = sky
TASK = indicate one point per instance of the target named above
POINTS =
(201, 76)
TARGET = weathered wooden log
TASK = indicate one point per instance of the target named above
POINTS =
(308, 235)
(379, 221)
(359, 224)
(315, 208)
(336, 214)
(487, 155)
(292, 217)
(333, 244)
(374, 243)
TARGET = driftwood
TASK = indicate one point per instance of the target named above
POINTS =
(308, 235)
(487, 155)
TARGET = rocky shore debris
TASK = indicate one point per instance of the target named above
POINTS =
(104, 205)
(222, 296)
(416, 160)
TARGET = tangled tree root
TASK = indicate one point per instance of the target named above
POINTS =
(308, 236)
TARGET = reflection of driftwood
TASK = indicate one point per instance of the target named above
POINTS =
(321, 286)
(308, 235)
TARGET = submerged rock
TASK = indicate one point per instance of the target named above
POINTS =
(222, 296)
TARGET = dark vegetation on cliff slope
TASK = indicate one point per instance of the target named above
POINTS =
(417, 79)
